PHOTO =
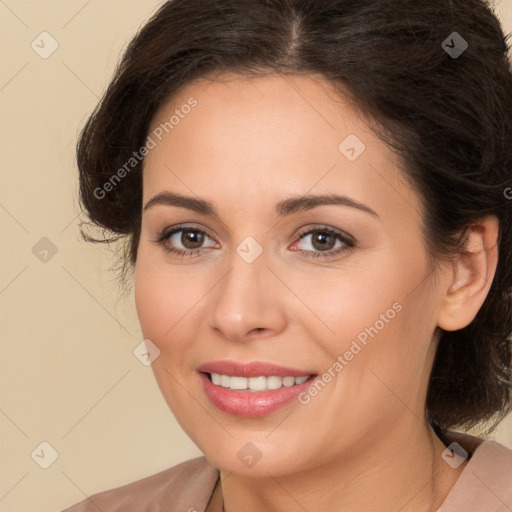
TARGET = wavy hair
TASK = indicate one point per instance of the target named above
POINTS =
(447, 114)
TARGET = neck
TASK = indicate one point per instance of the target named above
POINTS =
(404, 471)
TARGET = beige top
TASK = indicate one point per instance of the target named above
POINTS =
(485, 485)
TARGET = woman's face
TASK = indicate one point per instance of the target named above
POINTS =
(340, 290)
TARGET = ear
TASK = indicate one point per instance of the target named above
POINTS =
(470, 276)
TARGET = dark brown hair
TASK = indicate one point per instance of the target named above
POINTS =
(447, 115)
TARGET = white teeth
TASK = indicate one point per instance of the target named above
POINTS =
(257, 383)
(274, 382)
(238, 382)
(260, 383)
(288, 381)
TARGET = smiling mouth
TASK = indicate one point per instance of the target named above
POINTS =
(255, 384)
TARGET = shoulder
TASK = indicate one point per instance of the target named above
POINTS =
(484, 484)
(185, 486)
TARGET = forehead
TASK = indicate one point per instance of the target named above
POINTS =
(267, 137)
(307, 106)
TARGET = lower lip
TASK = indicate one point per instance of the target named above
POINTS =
(251, 404)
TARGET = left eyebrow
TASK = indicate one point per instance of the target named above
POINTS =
(307, 202)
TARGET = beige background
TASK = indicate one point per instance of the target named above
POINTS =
(68, 373)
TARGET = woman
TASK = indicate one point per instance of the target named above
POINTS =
(315, 199)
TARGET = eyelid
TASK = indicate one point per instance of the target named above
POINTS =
(348, 243)
(344, 237)
(167, 232)
(319, 227)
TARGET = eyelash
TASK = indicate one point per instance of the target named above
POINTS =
(344, 238)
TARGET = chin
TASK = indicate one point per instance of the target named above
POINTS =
(251, 459)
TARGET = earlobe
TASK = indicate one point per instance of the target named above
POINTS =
(470, 277)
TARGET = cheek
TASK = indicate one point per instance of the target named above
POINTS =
(152, 300)
(164, 297)
(374, 316)
(343, 302)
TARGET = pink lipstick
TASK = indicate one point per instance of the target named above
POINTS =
(254, 389)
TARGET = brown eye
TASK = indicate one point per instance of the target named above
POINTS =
(185, 240)
(191, 238)
(323, 241)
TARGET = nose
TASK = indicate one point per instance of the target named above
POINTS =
(248, 302)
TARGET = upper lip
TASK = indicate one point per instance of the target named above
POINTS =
(253, 369)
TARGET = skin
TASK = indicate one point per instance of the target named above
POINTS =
(363, 442)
